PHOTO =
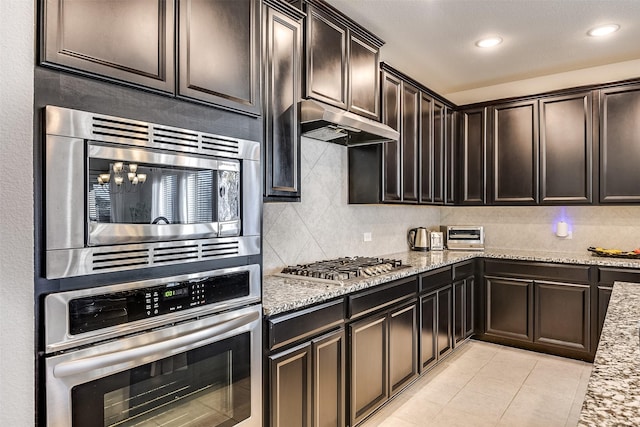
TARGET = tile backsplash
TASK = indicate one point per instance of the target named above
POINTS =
(323, 225)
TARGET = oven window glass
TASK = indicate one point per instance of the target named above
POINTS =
(208, 386)
(131, 193)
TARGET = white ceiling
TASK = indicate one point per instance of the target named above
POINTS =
(545, 43)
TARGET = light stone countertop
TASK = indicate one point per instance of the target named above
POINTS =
(281, 294)
(613, 393)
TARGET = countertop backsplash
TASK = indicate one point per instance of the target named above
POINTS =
(323, 225)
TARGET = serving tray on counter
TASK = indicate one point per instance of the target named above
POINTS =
(613, 253)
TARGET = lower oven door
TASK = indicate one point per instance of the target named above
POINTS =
(205, 372)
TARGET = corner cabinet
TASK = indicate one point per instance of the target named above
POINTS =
(79, 35)
(219, 53)
(540, 306)
(342, 61)
(619, 147)
(282, 59)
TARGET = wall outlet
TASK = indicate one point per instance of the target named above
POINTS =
(367, 236)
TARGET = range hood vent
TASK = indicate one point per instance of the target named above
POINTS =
(331, 124)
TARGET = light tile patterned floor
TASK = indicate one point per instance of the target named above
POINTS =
(484, 384)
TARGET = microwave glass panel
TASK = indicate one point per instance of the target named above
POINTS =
(152, 194)
(207, 386)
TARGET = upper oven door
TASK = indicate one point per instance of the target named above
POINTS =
(206, 372)
(136, 195)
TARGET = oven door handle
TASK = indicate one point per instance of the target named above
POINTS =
(166, 347)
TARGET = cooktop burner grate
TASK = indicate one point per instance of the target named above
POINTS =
(345, 268)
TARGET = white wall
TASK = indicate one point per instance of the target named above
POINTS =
(17, 18)
(324, 226)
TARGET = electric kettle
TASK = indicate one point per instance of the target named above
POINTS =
(418, 239)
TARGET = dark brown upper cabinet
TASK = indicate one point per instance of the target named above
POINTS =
(392, 155)
(219, 53)
(409, 136)
(438, 169)
(342, 61)
(431, 171)
(566, 149)
(128, 41)
(426, 148)
(514, 148)
(450, 156)
(620, 144)
(282, 59)
(473, 159)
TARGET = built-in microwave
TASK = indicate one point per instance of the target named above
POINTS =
(124, 194)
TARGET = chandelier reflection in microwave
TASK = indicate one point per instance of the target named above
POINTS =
(125, 177)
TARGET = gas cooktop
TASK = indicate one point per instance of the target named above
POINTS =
(341, 269)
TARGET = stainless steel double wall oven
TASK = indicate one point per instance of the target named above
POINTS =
(165, 349)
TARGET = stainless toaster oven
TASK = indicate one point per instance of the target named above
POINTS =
(463, 237)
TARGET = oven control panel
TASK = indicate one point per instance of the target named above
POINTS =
(96, 312)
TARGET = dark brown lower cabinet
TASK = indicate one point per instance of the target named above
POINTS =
(463, 302)
(562, 315)
(384, 357)
(508, 308)
(436, 339)
(328, 380)
(403, 346)
(369, 365)
(307, 383)
(290, 380)
(604, 295)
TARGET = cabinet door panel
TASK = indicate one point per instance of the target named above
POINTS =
(219, 56)
(619, 148)
(439, 172)
(426, 161)
(290, 387)
(329, 381)
(459, 311)
(369, 388)
(80, 34)
(283, 68)
(450, 157)
(403, 347)
(428, 330)
(509, 308)
(563, 315)
(410, 135)
(515, 153)
(566, 147)
(474, 152)
(326, 59)
(445, 330)
(391, 159)
(363, 78)
(469, 319)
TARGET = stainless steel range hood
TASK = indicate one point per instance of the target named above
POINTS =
(327, 123)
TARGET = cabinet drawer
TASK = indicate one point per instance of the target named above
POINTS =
(463, 270)
(289, 328)
(610, 275)
(381, 296)
(546, 271)
(434, 279)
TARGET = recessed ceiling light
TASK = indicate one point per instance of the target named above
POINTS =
(489, 42)
(603, 30)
